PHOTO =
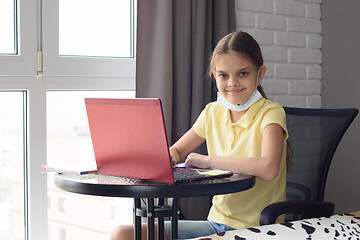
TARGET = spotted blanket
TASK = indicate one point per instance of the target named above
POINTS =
(342, 226)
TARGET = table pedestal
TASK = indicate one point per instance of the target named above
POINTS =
(159, 211)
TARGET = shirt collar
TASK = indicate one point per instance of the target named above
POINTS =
(250, 114)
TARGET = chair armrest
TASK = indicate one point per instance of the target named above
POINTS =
(307, 209)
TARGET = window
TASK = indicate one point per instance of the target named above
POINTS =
(17, 57)
(99, 36)
(66, 31)
(45, 68)
(8, 26)
(11, 165)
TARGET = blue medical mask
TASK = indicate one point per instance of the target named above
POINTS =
(239, 107)
(243, 106)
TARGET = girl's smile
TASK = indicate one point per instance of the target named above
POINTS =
(234, 92)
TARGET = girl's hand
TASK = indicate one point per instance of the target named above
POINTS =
(197, 160)
(174, 157)
(187, 143)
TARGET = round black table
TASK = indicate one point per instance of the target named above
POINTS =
(103, 185)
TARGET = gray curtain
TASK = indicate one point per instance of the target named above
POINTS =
(175, 39)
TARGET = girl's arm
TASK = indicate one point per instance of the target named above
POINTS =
(187, 143)
(265, 167)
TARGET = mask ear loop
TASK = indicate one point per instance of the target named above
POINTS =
(257, 78)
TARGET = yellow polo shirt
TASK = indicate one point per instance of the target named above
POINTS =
(243, 139)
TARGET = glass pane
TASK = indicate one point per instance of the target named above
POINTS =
(7, 27)
(76, 216)
(95, 28)
(11, 166)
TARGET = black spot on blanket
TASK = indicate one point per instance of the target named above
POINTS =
(288, 224)
(239, 238)
(255, 230)
(308, 229)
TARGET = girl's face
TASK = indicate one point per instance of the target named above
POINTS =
(236, 77)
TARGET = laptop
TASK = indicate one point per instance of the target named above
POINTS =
(129, 140)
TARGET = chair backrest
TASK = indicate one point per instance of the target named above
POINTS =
(314, 135)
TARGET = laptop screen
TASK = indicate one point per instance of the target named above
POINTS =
(129, 138)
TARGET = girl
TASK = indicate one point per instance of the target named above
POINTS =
(245, 133)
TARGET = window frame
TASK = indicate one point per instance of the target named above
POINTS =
(19, 72)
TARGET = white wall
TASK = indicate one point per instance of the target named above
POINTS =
(289, 33)
(341, 85)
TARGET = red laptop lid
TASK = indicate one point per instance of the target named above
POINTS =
(129, 138)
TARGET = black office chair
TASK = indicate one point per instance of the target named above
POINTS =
(314, 135)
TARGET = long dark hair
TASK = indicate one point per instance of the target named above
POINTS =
(245, 45)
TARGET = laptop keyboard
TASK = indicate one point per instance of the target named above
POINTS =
(184, 176)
